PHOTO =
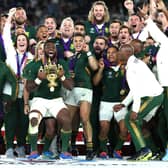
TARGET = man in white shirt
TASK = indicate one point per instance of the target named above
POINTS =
(146, 96)
(162, 70)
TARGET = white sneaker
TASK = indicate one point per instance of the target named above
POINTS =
(20, 152)
(10, 153)
(165, 157)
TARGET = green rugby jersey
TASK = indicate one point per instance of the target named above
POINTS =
(82, 71)
(6, 75)
(30, 72)
(112, 85)
(93, 31)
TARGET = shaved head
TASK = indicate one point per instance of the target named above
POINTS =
(127, 48)
(137, 44)
(125, 52)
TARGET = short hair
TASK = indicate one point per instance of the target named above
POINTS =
(78, 34)
(49, 41)
(27, 39)
(116, 21)
(80, 23)
(67, 19)
(150, 38)
(135, 14)
(125, 27)
(115, 47)
(52, 17)
(102, 37)
(40, 26)
(128, 47)
(21, 8)
(137, 41)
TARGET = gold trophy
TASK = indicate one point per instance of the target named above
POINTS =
(51, 70)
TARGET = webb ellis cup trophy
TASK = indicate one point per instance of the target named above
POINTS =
(51, 70)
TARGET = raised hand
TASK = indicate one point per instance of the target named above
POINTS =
(144, 10)
(101, 63)
(129, 5)
(12, 12)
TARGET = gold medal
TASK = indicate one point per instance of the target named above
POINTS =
(122, 92)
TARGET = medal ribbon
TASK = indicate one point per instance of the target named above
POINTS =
(66, 45)
(72, 62)
(100, 32)
(107, 63)
(124, 82)
(19, 65)
(137, 35)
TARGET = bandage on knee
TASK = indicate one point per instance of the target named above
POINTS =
(34, 121)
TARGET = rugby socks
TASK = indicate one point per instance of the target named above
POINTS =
(89, 146)
(119, 144)
(65, 137)
(47, 143)
(33, 141)
(103, 144)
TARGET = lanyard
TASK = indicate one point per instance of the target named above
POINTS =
(72, 62)
(66, 45)
(19, 64)
(137, 37)
(106, 61)
(101, 31)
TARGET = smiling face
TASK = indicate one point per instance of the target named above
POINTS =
(19, 30)
(79, 43)
(114, 29)
(135, 23)
(42, 33)
(50, 50)
(67, 28)
(22, 43)
(112, 55)
(79, 29)
(99, 45)
(50, 23)
(20, 16)
(99, 13)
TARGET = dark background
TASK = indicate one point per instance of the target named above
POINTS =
(77, 9)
